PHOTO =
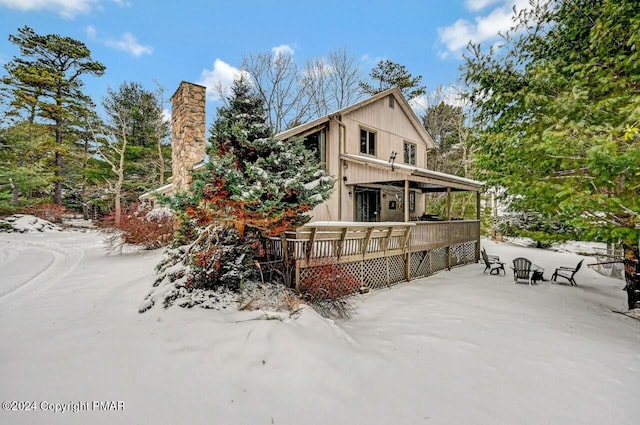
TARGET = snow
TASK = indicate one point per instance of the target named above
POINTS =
(27, 223)
(459, 347)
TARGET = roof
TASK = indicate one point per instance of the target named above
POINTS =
(411, 172)
(395, 92)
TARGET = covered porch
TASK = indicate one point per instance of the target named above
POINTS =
(378, 190)
(388, 236)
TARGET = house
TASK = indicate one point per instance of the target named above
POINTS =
(377, 149)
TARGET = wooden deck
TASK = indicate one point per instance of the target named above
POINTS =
(405, 250)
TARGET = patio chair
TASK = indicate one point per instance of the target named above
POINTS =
(567, 273)
(521, 270)
(492, 263)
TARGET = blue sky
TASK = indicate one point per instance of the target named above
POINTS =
(165, 42)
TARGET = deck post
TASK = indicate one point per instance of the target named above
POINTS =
(285, 247)
(311, 242)
(449, 238)
(406, 245)
(406, 200)
(478, 217)
(365, 242)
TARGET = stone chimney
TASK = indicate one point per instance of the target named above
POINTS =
(188, 127)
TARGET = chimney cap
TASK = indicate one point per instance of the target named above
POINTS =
(186, 83)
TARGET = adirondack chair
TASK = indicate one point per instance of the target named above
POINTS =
(567, 273)
(521, 270)
(492, 263)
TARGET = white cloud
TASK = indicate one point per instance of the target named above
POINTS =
(91, 31)
(129, 44)
(219, 79)
(166, 115)
(65, 8)
(483, 28)
(319, 68)
(283, 49)
(475, 5)
(451, 94)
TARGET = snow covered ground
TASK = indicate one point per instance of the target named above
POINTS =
(459, 347)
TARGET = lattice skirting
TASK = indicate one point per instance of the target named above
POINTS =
(333, 279)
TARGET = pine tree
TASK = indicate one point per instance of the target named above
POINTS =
(45, 84)
(254, 186)
(390, 74)
(557, 106)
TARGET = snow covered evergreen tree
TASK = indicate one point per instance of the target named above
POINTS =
(253, 179)
(254, 186)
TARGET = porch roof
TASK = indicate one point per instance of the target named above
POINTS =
(369, 170)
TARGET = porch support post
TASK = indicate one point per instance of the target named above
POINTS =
(406, 201)
(449, 228)
(478, 216)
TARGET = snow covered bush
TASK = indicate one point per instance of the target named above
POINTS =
(23, 223)
(186, 282)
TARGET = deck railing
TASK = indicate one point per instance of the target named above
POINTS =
(360, 241)
(374, 255)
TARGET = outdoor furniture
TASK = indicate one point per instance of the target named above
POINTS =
(521, 270)
(567, 273)
(492, 263)
(536, 273)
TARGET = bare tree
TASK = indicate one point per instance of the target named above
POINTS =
(162, 131)
(275, 76)
(344, 81)
(332, 83)
(112, 148)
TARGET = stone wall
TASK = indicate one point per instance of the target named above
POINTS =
(188, 128)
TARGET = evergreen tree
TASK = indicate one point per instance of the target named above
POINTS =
(254, 186)
(24, 171)
(45, 83)
(558, 109)
(390, 74)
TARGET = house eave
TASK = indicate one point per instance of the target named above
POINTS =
(162, 190)
(399, 172)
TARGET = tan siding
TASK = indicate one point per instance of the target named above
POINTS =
(397, 129)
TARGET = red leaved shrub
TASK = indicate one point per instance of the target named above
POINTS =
(328, 281)
(47, 211)
(140, 225)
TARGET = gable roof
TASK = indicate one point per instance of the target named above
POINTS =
(395, 92)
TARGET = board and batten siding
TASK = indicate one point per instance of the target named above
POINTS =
(392, 128)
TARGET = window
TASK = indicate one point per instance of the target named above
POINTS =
(412, 201)
(367, 142)
(409, 153)
(317, 143)
(392, 101)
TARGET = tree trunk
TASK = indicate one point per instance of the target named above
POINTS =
(632, 275)
(118, 208)
(161, 162)
(57, 195)
(15, 192)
